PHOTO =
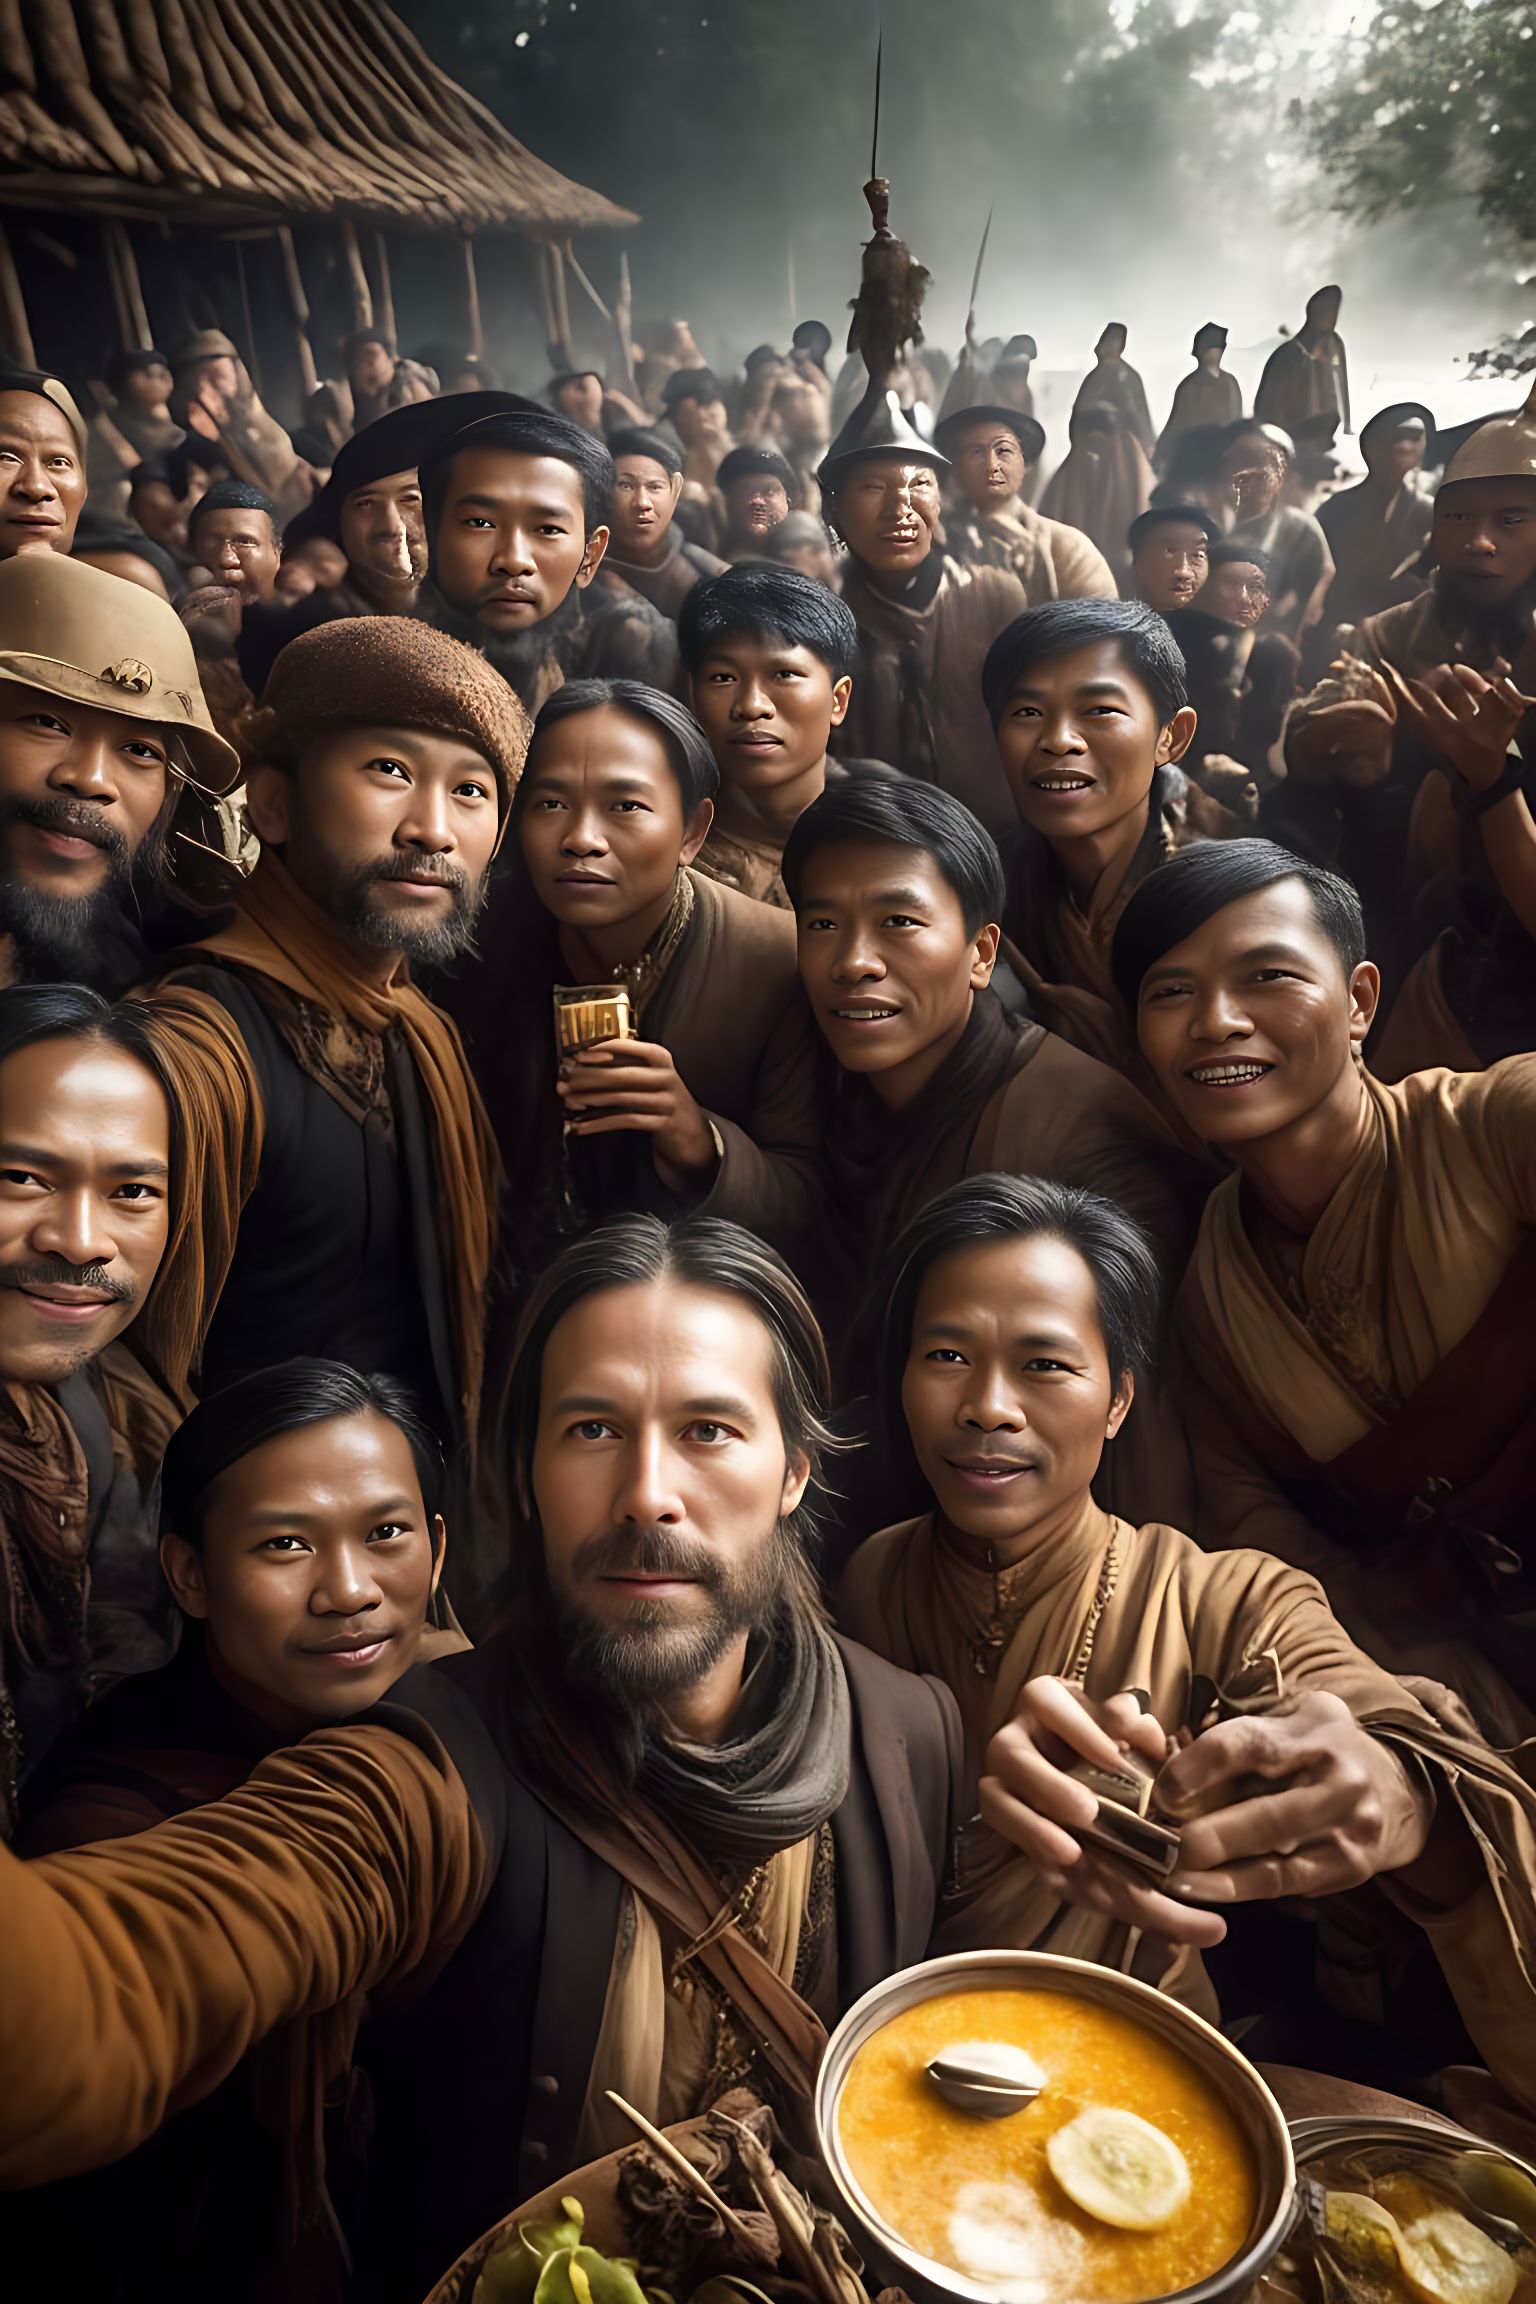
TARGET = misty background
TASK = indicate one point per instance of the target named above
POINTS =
(1151, 161)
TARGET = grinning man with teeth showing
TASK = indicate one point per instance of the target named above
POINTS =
(1356, 1320)
(1088, 701)
(380, 769)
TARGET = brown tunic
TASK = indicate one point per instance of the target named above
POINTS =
(1050, 559)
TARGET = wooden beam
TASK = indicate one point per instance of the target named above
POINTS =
(13, 310)
(298, 305)
(385, 299)
(140, 339)
(472, 298)
(362, 296)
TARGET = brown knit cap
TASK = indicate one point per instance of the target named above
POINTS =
(389, 672)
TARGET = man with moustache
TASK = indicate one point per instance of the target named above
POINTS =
(102, 726)
(380, 770)
(232, 531)
(648, 553)
(654, 1835)
(43, 446)
(1170, 554)
(925, 623)
(1358, 1361)
(122, 1161)
(1020, 1319)
(992, 451)
(516, 508)
(758, 491)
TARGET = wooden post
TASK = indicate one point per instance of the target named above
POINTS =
(13, 310)
(119, 299)
(252, 355)
(140, 339)
(386, 295)
(362, 298)
(562, 306)
(472, 298)
(299, 306)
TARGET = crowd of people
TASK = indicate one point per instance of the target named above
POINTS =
(726, 1141)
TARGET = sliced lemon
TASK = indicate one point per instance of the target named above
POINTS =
(1117, 2167)
(1447, 2260)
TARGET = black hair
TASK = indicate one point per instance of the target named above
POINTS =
(687, 746)
(636, 1250)
(635, 442)
(1232, 552)
(122, 365)
(1159, 516)
(228, 1424)
(701, 384)
(1202, 880)
(908, 814)
(746, 463)
(233, 496)
(354, 343)
(1122, 1260)
(766, 602)
(522, 432)
(1146, 648)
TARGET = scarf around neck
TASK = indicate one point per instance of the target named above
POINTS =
(281, 932)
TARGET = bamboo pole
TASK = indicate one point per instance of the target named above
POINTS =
(386, 295)
(141, 339)
(472, 298)
(13, 308)
(119, 295)
(546, 257)
(362, 296)
(298, 304)
(252, 355)
(562, 307)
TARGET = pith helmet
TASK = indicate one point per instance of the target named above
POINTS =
(73, 631)
(1502, 449)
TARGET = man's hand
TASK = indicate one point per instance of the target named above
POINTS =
(1343, 1807)
(1468, 720)
(1028, 1796)
(1346, 738)
(635, 1084)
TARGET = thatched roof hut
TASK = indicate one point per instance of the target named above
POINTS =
(244, 117)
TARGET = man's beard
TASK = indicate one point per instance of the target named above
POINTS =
(430, 943)
(71, 939)
(638, 1665)
(520, 657)
(1505, 628)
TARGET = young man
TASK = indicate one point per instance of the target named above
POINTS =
(1089, 705)
(694, 405)
(1170, 554)
(1378, 529)
(1307, 375)
(378, 780)
(1239, 583)
(991, 452)
(769, 657)
(1356, 1325)
(124, 1161)
(139, 426)
(897, 893)
(537, 1837)
(1113, 383)
(710, 1105)
(516, 507)
(1208, 395)
(925, 623)
(42, 463)
(1020, 1317)
(102, 725)
(758, 491)
(233, 532)
(648, 553)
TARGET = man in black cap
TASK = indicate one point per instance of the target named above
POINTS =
(1170, 554)
(758, 489)
(925, 622)
(992, 450)
(1207, 395)
(1378, 529)
(648, 553)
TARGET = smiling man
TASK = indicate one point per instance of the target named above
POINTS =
(42, 463)
(119, 1172)
(648, 552)
(1356, 1319)
(925, 623)
(379, 777)
(102, 723)
(992, 451)
(1020, 1318)
(517, 526)
(233, 532)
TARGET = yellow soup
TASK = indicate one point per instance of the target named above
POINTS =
(977, 2195)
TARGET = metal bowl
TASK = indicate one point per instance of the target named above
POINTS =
(1255, 2110)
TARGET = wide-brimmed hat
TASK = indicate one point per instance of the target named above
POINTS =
(73, 631)
(1029, 433)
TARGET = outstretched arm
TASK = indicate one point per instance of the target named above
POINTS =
(138, 1972)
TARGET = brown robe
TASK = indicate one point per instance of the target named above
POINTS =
(1199, 399)
(667, 586)
(1050, 559)
(1252, 1631)
(1100, 486)
(917, 690)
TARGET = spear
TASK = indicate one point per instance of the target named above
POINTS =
(874, 142)
(981, 257)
